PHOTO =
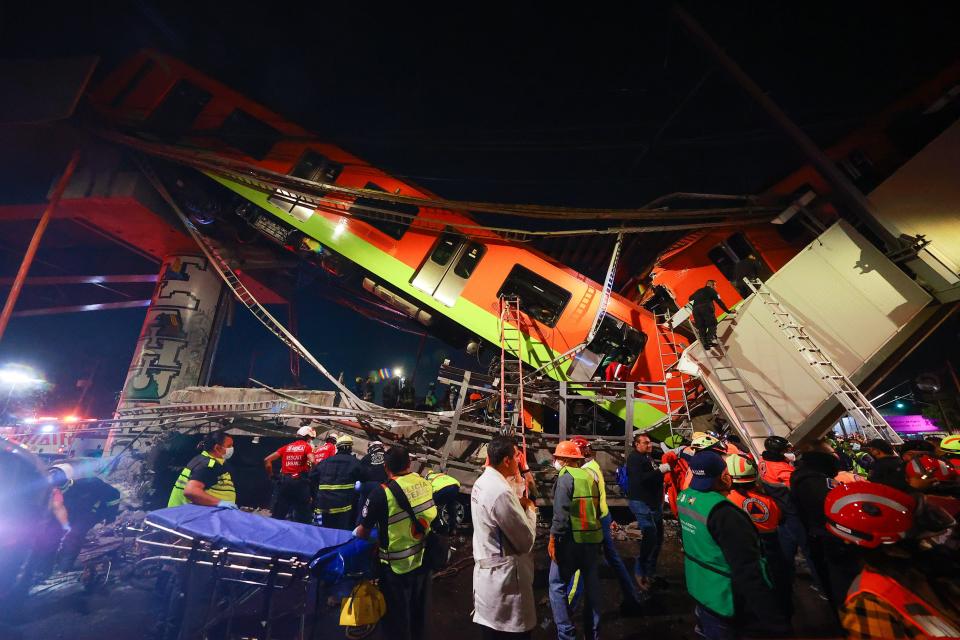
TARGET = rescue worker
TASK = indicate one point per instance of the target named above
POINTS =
(292, 495)
(905, 589)
(887, 467)
(205, 480)
(631, 594)
(725, 571)
(575, 539)
(949, 449)
(446, 491)
(327, 449)
(372, 463)
(404, 580)
(337, 481)
(78, 505)
(765, 514)
(704, 316)
(645, 499)
(924, 472)
(833, 566)
(504, 532)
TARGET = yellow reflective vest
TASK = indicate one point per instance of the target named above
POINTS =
(222, 488)
(404, 549)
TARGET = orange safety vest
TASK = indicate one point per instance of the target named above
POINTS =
(912, 610)
(763, 510)
(776, 473)
(683, 471)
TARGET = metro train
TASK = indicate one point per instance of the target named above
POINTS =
(450, 278)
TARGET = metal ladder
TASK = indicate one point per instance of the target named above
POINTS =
(856, 404)
(511, 365)
(675, 388)
(743, 400)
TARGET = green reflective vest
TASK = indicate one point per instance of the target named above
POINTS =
(707, 571)
(440, 480)
(585, 506)
(404, 548)
(594, 466)
(223, 488)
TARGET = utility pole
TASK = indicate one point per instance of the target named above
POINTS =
(841, 184)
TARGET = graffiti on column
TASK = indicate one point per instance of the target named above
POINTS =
(176, 333)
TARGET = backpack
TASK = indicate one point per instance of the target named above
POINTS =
(622, 481)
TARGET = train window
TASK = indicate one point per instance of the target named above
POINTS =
(469, 260)
(721, 258)
(135, 79)
(394, 228)
(311, 166)
(445, 249)
(248, 134)
(540, 299)
(617, 340)
(177, 112)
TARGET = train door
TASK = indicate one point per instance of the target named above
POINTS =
(615, 341)
(736, 259)
(450, 264)
(311, 166)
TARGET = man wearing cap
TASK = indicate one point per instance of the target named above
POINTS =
(575, 538)
(337, 480)
(725, 570)
(632, 596)
(291, 495)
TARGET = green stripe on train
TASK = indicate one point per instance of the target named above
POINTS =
(484, 323)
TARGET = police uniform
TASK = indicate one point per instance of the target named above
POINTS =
(405, 582)
(446, 489)
(211, 473)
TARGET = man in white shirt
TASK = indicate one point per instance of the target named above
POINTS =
(504, 530)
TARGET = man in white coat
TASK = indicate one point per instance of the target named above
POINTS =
(504, 529)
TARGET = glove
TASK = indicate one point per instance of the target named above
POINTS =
(226, 504)
(66, 528)
(552, 549)
(664, 468)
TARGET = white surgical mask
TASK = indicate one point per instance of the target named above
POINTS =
(557, 465)
(228, 453)
(790, 456)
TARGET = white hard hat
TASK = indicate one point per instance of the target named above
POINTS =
(307, 431)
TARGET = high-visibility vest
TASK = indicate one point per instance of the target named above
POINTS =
(775, 473)
(708, 574)
(763, 510)
(584, 507)
(404, 549)
(222, 489)
(439, 480)
(594, 467)
(911, 608)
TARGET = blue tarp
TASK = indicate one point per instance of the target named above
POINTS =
(249, 533)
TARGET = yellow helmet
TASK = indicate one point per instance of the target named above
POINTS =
(344, 441)
(741, 469)
(951, 444)
(704, 442)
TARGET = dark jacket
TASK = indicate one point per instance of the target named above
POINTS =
(889, 471)
(91, 498)
(706, 296)
(373, 469)
(341, 469)
(644, 480)
(809, 486)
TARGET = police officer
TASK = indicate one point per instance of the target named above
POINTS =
(446, 490)
(725, 571)
(405, 581)
(336, 480)
(205, 480)
(292, 491)
(575, 539)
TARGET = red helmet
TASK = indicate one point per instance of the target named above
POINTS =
(581, 442)
(869, 514)
(926, 467)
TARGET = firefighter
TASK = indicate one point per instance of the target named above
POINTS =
(292, 491)
(632, 596)
(78, 505)
(575, 539)
(337, 481)
(725, 571)
(405, 581)
(906, 589)
(704, 317)
(949, 449)
(446, 490)
(765, 514)
(205, 481)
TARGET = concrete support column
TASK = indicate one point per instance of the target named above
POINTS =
(179, 336)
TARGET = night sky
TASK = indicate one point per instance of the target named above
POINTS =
(515, 104)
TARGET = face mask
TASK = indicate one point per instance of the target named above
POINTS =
(557, 465)
(790, 456)
(855, 446)
(228, 453)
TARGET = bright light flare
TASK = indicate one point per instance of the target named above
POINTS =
(340, 228)
(70, 419)
(48, 428)
(398, 372)
(19, 376)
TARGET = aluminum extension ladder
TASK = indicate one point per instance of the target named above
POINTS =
(675, 387)
(740, 395)
(511, 365)
(856, 404)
